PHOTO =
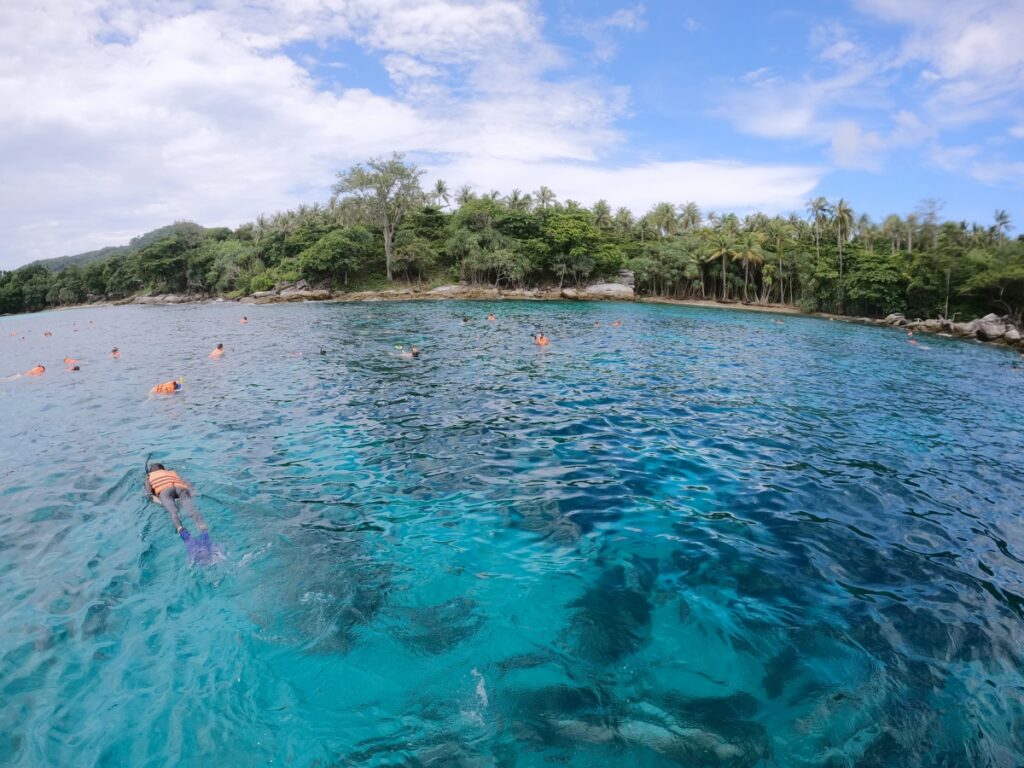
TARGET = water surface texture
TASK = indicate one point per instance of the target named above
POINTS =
(706, 538)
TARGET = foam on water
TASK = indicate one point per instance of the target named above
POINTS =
(701, 539)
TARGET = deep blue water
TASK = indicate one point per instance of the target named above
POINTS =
(704, 539)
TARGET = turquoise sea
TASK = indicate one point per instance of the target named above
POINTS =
(706, 538)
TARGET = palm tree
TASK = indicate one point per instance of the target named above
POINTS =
(440, 193)
(843, 221)
(817, 210)
(602, 214)
(517, 201)
(892, 228)
(910, 227)
(545, 198)
(1002, 224)
(865, 230)
(723, 245)
(645, 227)
(464, 195)
(779, 231)
(663, 216)
(748, 250)
(623, 221)
(689, 217)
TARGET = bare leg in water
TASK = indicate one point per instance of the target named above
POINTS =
(183, 495)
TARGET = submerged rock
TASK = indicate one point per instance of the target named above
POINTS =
(612, 619)
(436, 629)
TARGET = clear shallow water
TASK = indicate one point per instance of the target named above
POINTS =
(701, 539)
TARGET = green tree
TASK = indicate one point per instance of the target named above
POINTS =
(388, 189)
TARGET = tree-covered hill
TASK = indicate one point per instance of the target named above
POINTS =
(380, 225)
(58, 263)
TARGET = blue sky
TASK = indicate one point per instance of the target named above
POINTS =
(118, 117)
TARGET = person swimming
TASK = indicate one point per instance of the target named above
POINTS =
(541, 339)
(70, 361)
(597, 323)
(244, 320)
(171, 490)
(323, 350)
(115, 353)
(168, 387)
(617, 324)
(414, 351)
(491, 317)
(218, 352)
(39, 370)
(465, 319)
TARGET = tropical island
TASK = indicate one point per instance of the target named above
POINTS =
(380, 229)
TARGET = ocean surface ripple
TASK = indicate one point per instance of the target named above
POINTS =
(705, 538)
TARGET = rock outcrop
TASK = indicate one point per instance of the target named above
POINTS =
(608, 291)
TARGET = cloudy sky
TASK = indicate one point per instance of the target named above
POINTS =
(117, 117)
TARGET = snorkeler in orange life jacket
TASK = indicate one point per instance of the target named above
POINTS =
(168, 387)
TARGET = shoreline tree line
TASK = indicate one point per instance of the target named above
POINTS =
(380, 225)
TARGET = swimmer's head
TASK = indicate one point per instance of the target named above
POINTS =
(415, 351)
(323, 351)
(76, 368)
(157, 465)
(465, 319)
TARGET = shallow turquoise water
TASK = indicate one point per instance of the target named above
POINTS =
(703, 539)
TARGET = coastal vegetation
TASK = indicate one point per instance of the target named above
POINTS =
(380, 225)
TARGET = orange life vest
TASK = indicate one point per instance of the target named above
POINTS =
(162, 479)
(166, 388)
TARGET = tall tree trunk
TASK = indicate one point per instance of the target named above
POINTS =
(387, 250)
(725, 284)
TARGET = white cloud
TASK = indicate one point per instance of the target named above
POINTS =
(600, 32)
(965, 57)
(118, 116)
(713, 185)
(971, 48)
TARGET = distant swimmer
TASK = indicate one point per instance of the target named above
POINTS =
(39, 370)
(465, 319)
(115, 353)
(169, 489)
(168, 387)
(617, 324)
(323, 350)
(73, 368)
(218, 352)
(413, 351)
(541, 339)
(779, 322)
(597, 323)
(47, 333)
(244, 320)
(70, 361)
(491, 317)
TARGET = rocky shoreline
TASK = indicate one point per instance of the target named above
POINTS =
(991, 329)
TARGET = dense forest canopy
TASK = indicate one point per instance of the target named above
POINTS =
(381, 225)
